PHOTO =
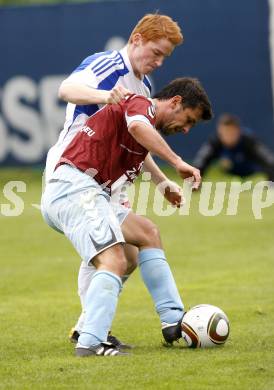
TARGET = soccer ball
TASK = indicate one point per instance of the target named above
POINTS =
(205, 326)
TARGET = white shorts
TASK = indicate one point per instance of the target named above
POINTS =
(73, 203)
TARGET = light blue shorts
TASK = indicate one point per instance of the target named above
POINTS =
(73, 203)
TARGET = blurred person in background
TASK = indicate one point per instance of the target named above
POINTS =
(106, 78)
(236, 149)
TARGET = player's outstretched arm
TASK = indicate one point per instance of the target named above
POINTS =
(157, 175)
(170, 190)
(148, 137)
(77, 93)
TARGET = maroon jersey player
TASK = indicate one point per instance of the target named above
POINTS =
(104, 147)
(111, 148)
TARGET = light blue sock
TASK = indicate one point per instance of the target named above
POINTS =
(160, 283)
(100, 305)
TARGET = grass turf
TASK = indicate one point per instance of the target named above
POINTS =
(224, 260)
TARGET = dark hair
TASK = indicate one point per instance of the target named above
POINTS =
(192, 93)
(229, 120)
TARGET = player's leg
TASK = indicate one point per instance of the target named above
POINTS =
(156, 273)
(86, 218)
(98, 236)
(87, 271)
(85, 275)
(131, 252)
(121, 207)
(101, 299)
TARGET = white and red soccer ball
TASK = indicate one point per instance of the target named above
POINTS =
(205, 326)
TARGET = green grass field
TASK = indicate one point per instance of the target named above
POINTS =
(224, 260)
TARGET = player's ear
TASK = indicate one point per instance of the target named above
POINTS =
(176, 101)
(136, 39)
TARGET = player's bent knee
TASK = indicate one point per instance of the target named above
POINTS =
(150, 235)
(112, 259)
(141, 232)
(154, 237)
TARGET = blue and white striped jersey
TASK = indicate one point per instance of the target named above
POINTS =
(101, 71)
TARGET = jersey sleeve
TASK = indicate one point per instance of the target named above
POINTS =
(140, 109)
(83, 77)
(100, 70)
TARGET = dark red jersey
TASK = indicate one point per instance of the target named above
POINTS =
(105, 149)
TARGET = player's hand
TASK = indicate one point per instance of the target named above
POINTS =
(187, 171)
(172, 193)
(116, 94)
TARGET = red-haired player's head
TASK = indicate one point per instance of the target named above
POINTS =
(151, 41)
